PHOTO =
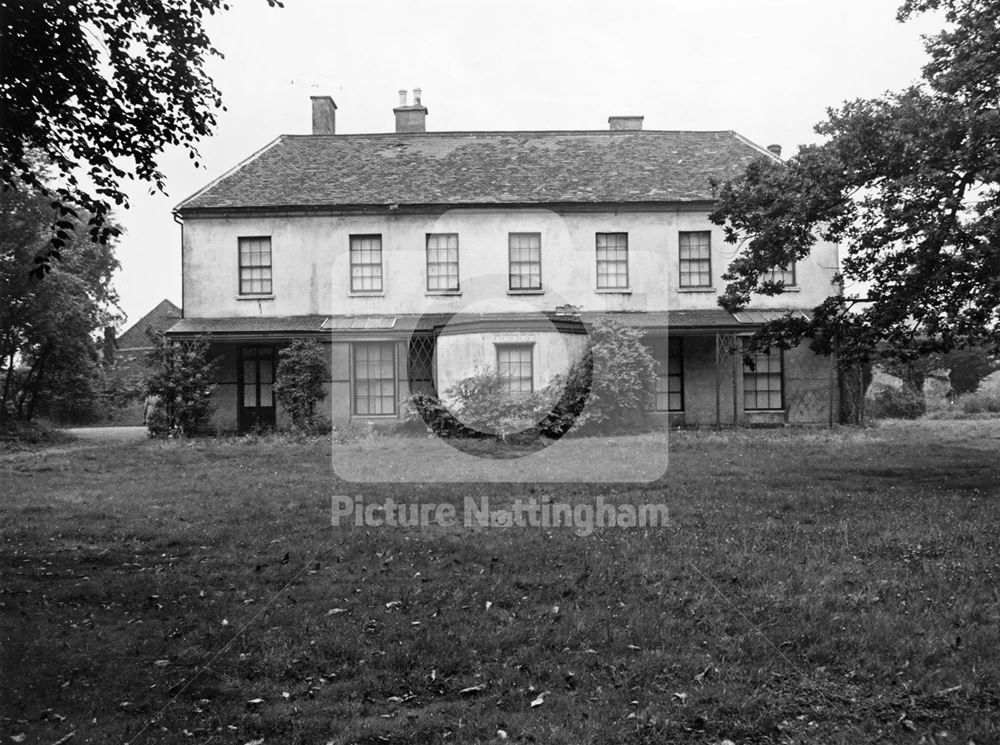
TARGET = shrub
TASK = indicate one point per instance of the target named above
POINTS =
(298, 385)
(484, 404)
(898, 403)
(622, 380)
(981, 402)
(182, 378)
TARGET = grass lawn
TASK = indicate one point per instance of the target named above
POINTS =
(812, 587)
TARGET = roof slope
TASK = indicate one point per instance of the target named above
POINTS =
(439, 168)
(160, 318)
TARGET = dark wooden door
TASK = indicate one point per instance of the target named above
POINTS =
(256, 383)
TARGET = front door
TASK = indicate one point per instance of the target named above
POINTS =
(256, 397)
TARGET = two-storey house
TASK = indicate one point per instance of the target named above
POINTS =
(419, 256)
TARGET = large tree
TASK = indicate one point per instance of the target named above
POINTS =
(48, 354)
(99, 88)
(909, 185)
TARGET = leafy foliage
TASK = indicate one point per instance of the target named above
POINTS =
(181, 378)
(606, 390)
(48, 355)
(99, 88)
(910, 184)
(623, 377)
(299, 383)
(898, 403)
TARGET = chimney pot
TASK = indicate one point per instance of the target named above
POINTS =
(776, 149)
(619, 123)
(402, 97)
(416, 96)
(324, 115)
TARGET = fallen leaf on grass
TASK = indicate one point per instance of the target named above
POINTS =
(682, 697)
(21, 737)
(538, 701)
(473, 689)
(258, 741)
(162, 663)
(336, 611)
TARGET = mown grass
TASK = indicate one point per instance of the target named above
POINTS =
(813, 586)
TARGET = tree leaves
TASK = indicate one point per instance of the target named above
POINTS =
(98, 89)
(909, 185)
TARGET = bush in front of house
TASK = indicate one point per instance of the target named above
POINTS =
(898, 403)
(180, 381)
(606, 390)
(299, 382)
(622, 379)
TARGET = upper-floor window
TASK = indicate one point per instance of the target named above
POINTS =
(696, 258)
(442, 262)
(366, 263)
(525, 251)
(255, 266)
(612, 261)
(783, 274)
(514, 364)
(762, 380)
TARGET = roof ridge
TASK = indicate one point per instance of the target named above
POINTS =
(603, 132)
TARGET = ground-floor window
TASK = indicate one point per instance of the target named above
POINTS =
(669, 356)
(374, 378)
(763, 381)
(514, 363)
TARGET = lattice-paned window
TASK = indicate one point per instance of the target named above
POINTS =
(763, 381)
(525, 251)
(255, 266)
(420, 364)
(366, 263)
(612, 261)
(514, 364)
(696, 258)
(669, 356)
(785, 274)
(374, 378)
(442, 262)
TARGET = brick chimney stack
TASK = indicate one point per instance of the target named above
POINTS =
(619, 123)
(324, 118)
(410, 118)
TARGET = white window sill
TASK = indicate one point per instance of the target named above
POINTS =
(791, 288)
(526, 292)
(695, 289)
(613, 290)
(255, 297)
(380, 293)
(443, 293)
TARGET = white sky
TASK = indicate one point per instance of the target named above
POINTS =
(765, 68)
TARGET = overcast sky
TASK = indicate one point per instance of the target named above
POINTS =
(765, 68)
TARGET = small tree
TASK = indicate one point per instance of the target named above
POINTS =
(298, 385)
(182, 381)
(623, 377)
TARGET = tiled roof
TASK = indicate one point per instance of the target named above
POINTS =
(407, 322)
(473, 168)
(160, 318)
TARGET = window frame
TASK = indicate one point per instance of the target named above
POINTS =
(609, 262)
(681, 260)
(755, 375)
(355, 379)
(510, 263)
(381, 263)
(241, 267)
(672, 354)
(771, 275)
(428, 263)
(530, 348)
